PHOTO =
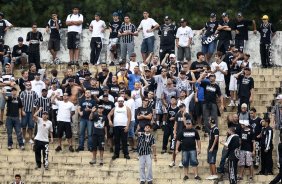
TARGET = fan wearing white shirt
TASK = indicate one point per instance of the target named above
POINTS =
(37, 85)
(148, 26)
(184, 37)
(74, 22)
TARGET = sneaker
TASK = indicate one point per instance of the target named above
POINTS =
(10, 147)
(127, 157)
(23, 140)
(239, 178)
(101, 163)
(115, 157)
(180, 165)
(22, 148)
(232, 104)
(79, 149)
(142, 182)
(59, 148)
(93, 161)
(185, 178)
(250, 178)
(197, 177)
(150, 182)
(46, 167)
(31, 141)
(210, 177)
(163, 151)
(172, 164)
(71, 149)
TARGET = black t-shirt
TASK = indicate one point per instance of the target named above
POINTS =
(180, 122)
(114, 90)
(237, 127)
(214, 132)
(17, 50)
(210, 28)
(242, 27)
(21, 83)
(108, 106)
(188, 138)
(86, 103)
(267, 137)
(280, 152)
(245, 85)
(233, 145)
(228, 60)
(171, 113)
(266, 32)
(13, 106)
(95, 91)
(211, 91)
(102, 77)
(55, 34)
(6, 49)
(198, 65)
(143, 122)
(256, 127)
(167, 35)
(115, 26)
(75, 78)
(34, 40)
(225, 35)
(247, 139)
(31, 76)
(99, 123)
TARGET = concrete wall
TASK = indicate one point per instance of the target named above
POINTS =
(252, 46)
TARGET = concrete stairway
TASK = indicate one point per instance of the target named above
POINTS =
(66, 167)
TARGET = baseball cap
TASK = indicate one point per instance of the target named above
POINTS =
(265, 17)
(98, 14)
(146, 68)
(224, 14)
(172, 56)
(182, 20)
(279, 97)
(244, 105)
(244, 122)
(120, 99)
(115, 14)
(212, 15)
(101, 106)
(20, 39)
(167, 17)
(239, 14)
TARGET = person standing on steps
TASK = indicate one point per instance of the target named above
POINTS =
(44, 129)
(14, 116)
(121, 121)
(54, 25)
(66, 110)
(97, 27)
(191, 147)
(146, 141)
(74, 22)
(4, 25)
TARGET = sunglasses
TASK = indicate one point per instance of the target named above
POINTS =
(121, 101)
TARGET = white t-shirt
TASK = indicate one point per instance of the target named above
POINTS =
(135, 94)
(37, 86)
(184, 34)
(186, 101)
(64, 110)
(8, 24)
(147, 24)
(44, 127)
(75, 28)
(49, 94)
(219, 76)
(132, 65)
(131, 105)
(98, 26)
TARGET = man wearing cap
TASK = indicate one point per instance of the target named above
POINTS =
(114, 27)
(121, 120)
(97, 27)
(127, 33)
(241, 30)
(148, 26)
(208, 39)
(167, 33)
(247, 150)
(4, 25)
(34, 37)
(267, 32)
(45, 129)
(184, 37)
(224, 29)
(37, 85)
(246, 87)
(20, 53)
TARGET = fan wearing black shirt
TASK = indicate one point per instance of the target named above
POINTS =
(247, 149)
(167, 33)
(168, 127)
(267, 32)
(19, 53)
(211, 93)
(198, 66)
(232, 144)
(224, 28)
(114, 26)
(191, 147)
(246, 87)
(34, 38)
(241, 30)
(144, 115)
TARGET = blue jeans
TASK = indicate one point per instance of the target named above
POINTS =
(14, 122)
(223, 159)
(27, 121)
(83, 124)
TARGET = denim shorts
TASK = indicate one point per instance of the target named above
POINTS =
(209, 48)
(27, 120)
(148, 45)
(212, 156)
(131, 129)
(160, 109)
(189, 158)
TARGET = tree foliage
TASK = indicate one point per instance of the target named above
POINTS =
(23, 13)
